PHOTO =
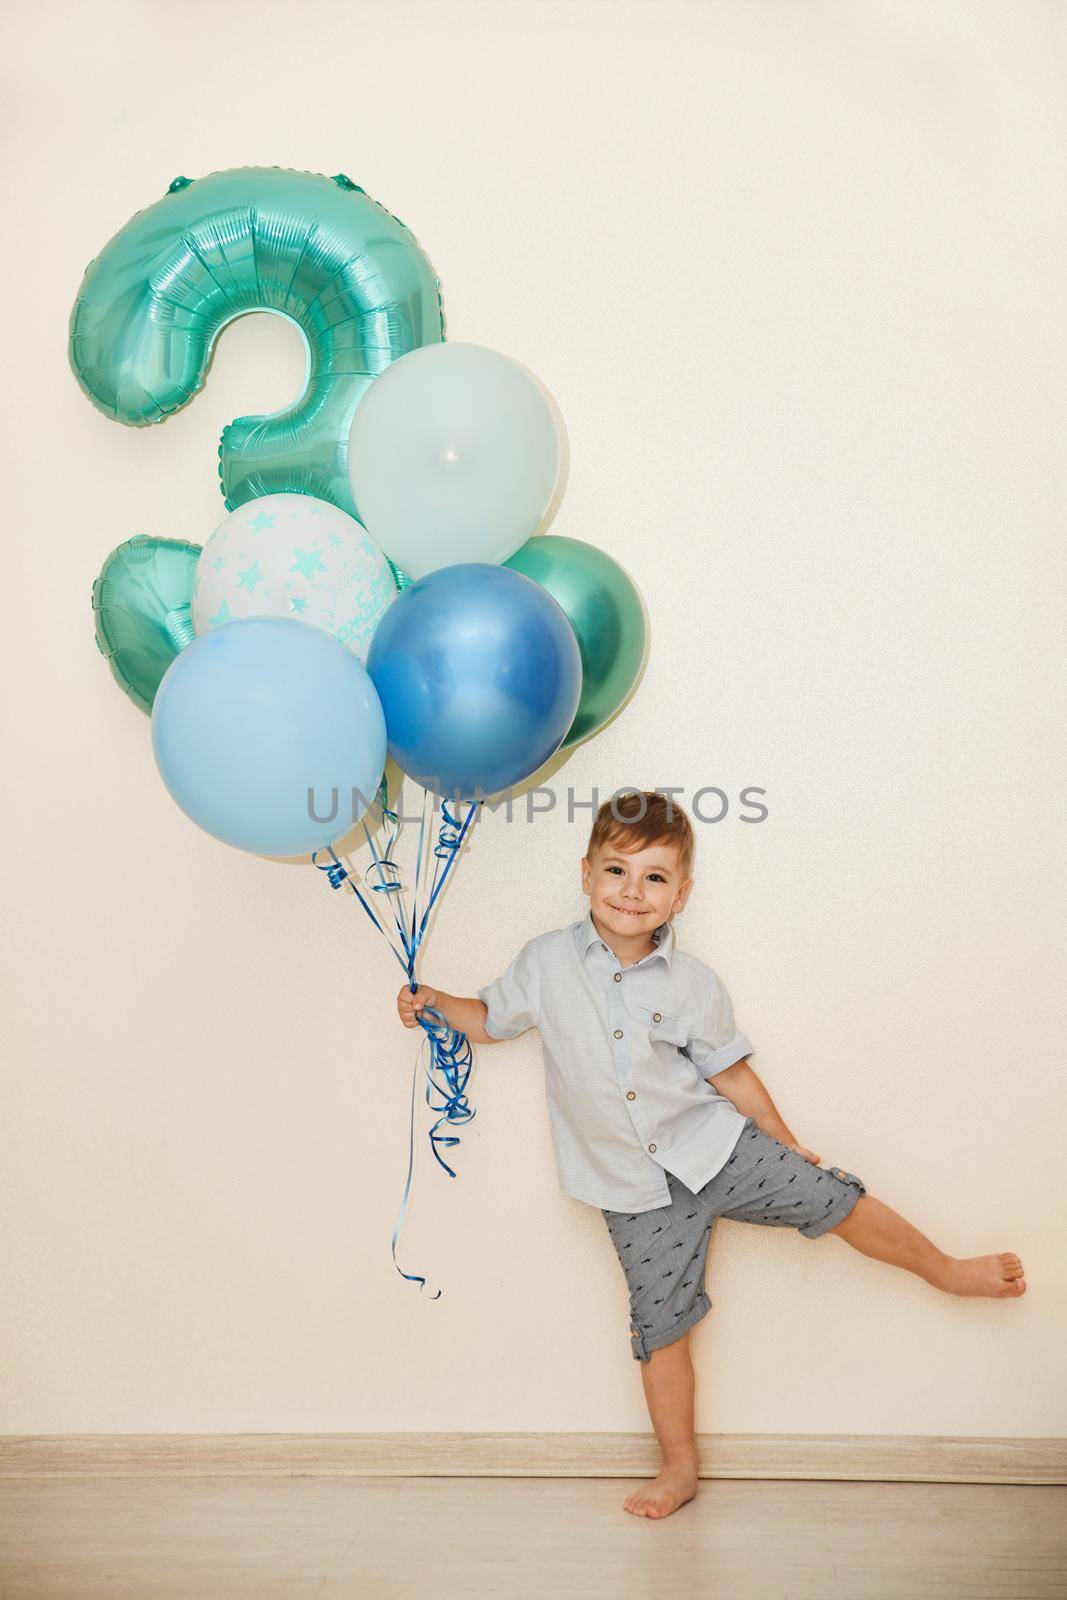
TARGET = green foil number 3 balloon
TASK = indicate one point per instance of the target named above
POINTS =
(316, 250)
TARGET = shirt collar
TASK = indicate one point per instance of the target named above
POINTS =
(663, 938)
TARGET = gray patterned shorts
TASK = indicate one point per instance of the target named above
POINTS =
(663, 1252)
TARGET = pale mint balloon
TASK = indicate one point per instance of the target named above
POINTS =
(453, 457)
(289, 555)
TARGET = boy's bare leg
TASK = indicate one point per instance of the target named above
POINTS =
(668, 1379)
(876, 1230)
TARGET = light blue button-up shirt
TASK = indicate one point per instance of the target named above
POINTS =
(628, 1052)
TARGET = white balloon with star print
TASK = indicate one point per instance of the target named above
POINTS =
(289, 555)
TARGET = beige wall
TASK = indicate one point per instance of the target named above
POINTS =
(793, 273)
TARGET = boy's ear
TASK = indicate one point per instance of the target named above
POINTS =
(683, 894)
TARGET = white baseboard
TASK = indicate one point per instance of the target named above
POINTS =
(899, 1458)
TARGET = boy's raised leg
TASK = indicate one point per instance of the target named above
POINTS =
(875, 1229)
(669, 1384)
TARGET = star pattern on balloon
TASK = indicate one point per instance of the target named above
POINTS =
(298, 604)
(249, 577)
(222, 615)
(260, 521)
(307, 562)
(220, 562)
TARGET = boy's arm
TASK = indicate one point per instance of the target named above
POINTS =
(740, 1084)
(465, 1015)
(715, 1037)
(512, 1000)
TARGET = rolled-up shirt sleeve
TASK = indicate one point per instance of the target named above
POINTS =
(512, 1000)
(716, 1041)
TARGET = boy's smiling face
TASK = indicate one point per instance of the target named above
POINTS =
(632, 891)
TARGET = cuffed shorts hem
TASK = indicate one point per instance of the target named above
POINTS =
(642, 1344)
(852, 1188)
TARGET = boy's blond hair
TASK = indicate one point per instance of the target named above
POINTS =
(640, 818)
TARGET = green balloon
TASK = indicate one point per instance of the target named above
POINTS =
(141, 602)
(604, 609)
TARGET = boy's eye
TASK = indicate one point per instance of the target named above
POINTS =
(657, 875)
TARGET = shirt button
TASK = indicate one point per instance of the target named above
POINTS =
(618, 1033)
(618, 977)
(603, 947)
(630, 1095)
(652, 1148)
(657, 1017)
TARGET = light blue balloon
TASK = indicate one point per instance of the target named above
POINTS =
(251, 717)
(479, 675)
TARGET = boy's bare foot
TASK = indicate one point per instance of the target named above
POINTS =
(1000, 1276)
(674, 1486)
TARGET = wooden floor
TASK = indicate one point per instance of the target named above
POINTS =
(525, 1539)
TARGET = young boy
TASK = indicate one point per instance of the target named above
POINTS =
(658, 1119)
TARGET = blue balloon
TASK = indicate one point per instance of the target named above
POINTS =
(479, 674)
(251, 717)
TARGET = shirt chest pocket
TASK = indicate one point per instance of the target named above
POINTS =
(663, 1027)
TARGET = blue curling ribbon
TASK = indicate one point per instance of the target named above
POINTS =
(451, 1056)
